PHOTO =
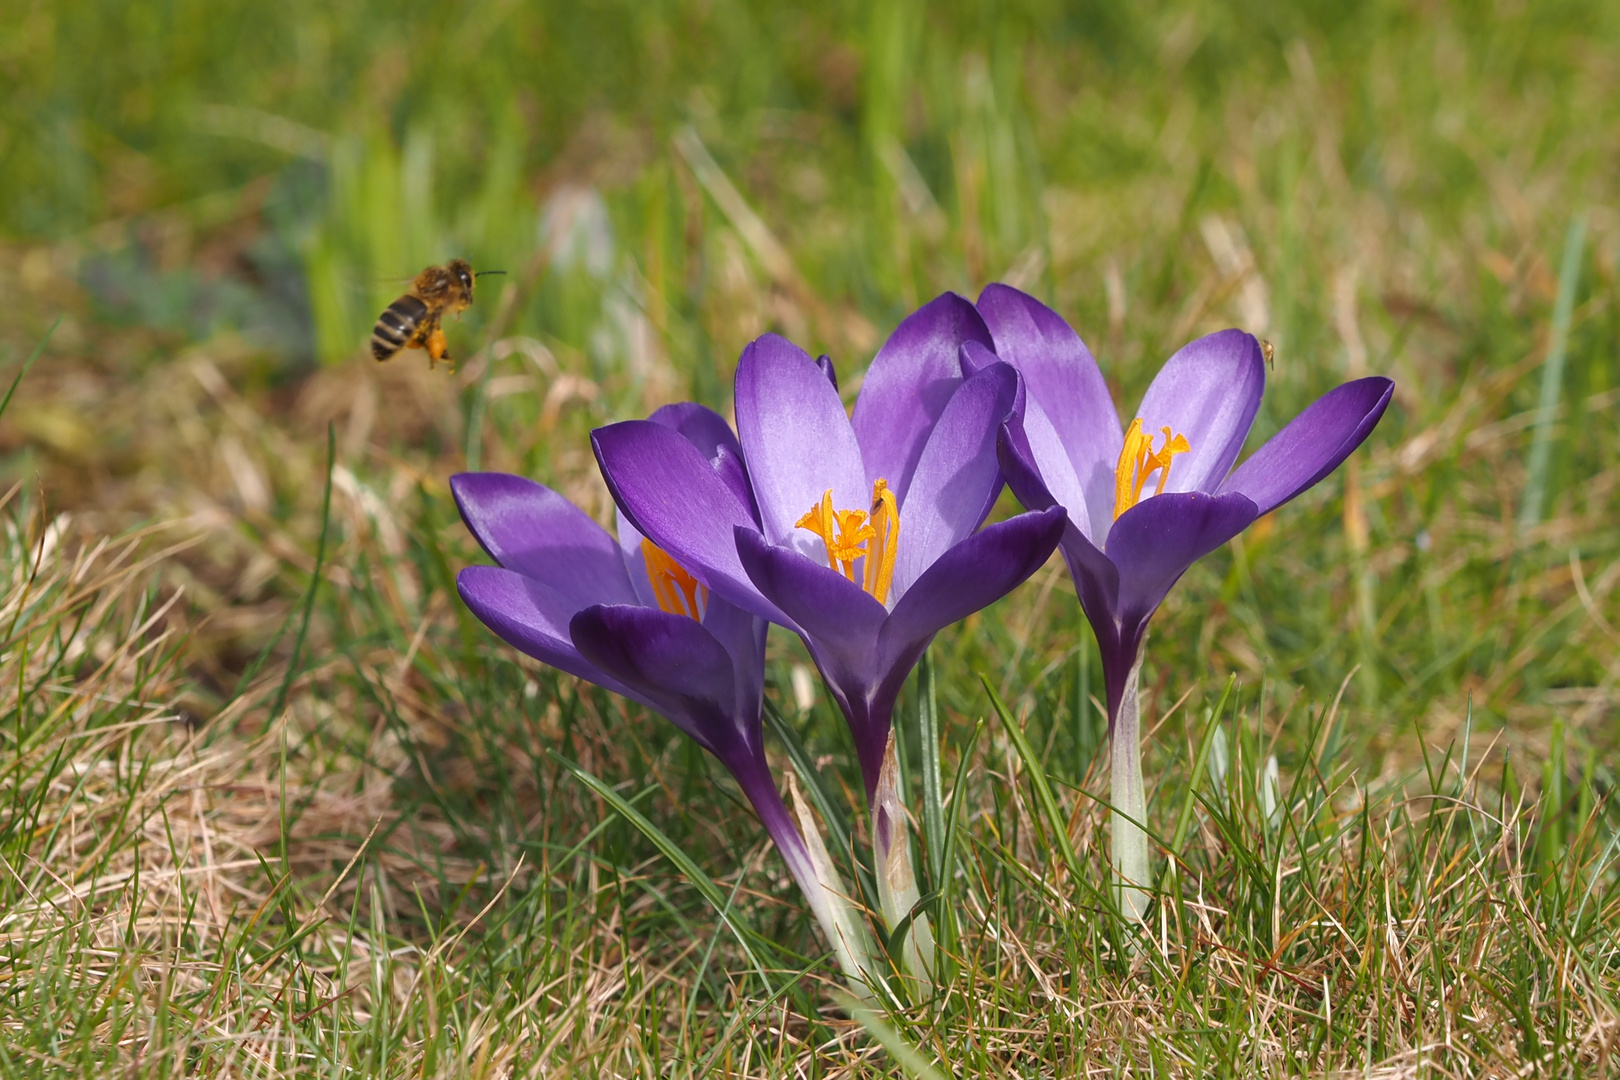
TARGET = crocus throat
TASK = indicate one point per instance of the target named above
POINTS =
(676, 591)
(1138, 460)
(855, 535)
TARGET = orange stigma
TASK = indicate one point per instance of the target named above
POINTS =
(676, 591)
(1138, 460)
(854, 535)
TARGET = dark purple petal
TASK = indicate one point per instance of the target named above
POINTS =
(671, 661)
(796, 439)
(1061, 376)
(972, 575)
(908, 385)
(823, 605)
(674, 498)
(1209, 392)
(1312, 444)
(742, 634)
(825, 363)
(957, 477)
(531, 529)
(1154, 542)
(532, 618)
(708, 431)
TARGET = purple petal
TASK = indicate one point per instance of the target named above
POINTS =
(672, 662)
(823, 605)
(1037, 468)
(974, 358)
(1209, 392)
(635, 562)
(1312, 444)
(1154, 542)
(840, 624)
(796, 439)
(532, 618)
(1061, 376)
(972, 575)
(908, 385)
(673, 497)
(742, 634)
(957, 477)
(531, 529)
(708, 431)
(825, 363)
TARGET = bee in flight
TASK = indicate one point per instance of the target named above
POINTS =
(412, 321)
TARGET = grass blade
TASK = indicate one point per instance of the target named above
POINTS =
(1056, 824)
(27, 364)
(672, 851)
(933, 808)
(1552, 379)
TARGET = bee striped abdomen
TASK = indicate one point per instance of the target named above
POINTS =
(396, 326)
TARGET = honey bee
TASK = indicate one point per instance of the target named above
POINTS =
(412, 321)
(1270, 352)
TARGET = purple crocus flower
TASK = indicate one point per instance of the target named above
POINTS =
(621, 613)
(866, 542)
(1147, 502)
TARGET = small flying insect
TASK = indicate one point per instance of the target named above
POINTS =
(412, 321)
(1270, 352)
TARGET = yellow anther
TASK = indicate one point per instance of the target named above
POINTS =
(853, 535)
(676, 591)
(885, 541)
(1138, 460)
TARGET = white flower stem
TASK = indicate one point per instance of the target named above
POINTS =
(1129, 841)
(824, 888)
(897, 883)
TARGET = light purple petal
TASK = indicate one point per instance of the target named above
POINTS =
(673, 662)
(957, 477)
(1154, 542)
(1037, 468)
(1209, 392)
(1312, 444)
(635, 563)
(908, 385)
(796, 439)
(972, 575)
(708, 431)
(532, 618)
(1062, 378)
(531, 529)
(673, 497)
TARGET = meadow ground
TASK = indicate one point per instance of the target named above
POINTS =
(272, 803)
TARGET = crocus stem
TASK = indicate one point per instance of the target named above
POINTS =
(897, 883)
(1130, 843)
(817, 878)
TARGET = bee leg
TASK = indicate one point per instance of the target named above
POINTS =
(439, 349)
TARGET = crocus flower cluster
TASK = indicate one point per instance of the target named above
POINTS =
(864, 535)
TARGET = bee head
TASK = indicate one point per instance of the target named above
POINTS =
(463, 272)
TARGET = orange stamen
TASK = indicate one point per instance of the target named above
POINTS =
(1138, 460)
(676, 591)
(853, 535)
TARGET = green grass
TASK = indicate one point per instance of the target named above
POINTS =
(259, 820)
